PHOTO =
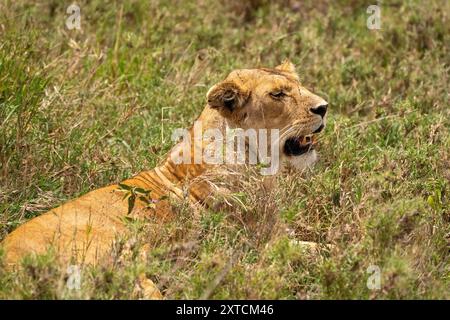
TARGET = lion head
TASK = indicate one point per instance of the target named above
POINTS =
(273, 99)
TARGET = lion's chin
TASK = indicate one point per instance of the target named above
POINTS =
(303, 161)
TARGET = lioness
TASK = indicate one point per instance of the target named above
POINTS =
(264, 98)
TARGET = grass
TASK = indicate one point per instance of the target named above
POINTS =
(80, 109)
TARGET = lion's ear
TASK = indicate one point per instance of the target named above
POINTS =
(286, 65)
(226, 96)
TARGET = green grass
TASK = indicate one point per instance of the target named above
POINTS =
(82, 109)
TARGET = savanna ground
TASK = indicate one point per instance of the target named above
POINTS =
(80, 109)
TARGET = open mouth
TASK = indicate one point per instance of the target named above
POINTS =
(296, 146)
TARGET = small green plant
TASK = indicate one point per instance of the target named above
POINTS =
(133, 193)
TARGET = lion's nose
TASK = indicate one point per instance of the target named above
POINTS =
(320, 110)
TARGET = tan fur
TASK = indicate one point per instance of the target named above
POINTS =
(83, 229)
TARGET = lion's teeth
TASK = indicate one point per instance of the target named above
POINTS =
(306, 139)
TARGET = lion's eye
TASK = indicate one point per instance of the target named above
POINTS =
(277, 94)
